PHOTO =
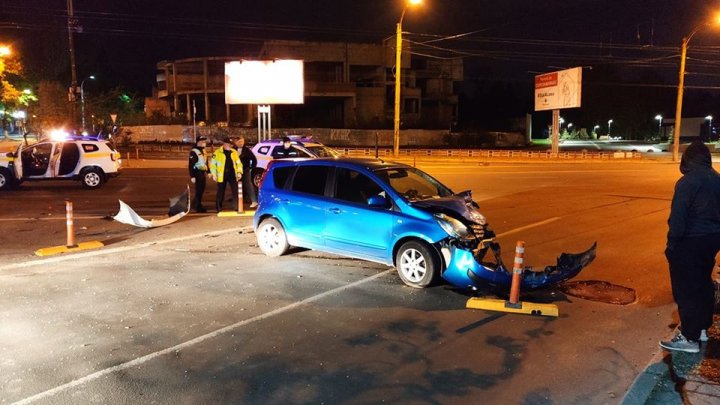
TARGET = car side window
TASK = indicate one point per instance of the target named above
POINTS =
(355, 187)
(263, 150)
(88, 147)
(303, 153)
(280, 175)
(310, 179)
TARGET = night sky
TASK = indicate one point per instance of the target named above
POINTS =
(504, 43)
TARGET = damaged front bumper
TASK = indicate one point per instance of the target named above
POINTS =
(465, 272)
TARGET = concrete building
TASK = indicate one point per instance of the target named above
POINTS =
(347, 85)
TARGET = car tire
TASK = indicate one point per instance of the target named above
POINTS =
(92, 178)
(7, 180)
(416, 264)
(271, 238)
(256, 177)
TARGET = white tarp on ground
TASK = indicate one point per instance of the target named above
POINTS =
(179, 207)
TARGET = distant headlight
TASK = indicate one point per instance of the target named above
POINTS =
(452, 226)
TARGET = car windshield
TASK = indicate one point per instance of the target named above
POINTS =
(322, 151)
(413, 184)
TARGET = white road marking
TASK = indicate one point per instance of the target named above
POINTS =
(144, 359)
(187, 344)
(102, 252)
(522, 228)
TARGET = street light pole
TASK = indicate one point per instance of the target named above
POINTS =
(680, 91)
(82, 99)
(659, 118)
(398, 85)
(609, 127)
(398, 78)
(710, 131)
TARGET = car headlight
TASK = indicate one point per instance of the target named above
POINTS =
(452, 226)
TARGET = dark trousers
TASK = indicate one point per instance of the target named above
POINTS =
(248, 187)
(691, 265)
(199, 190)
(227, 180)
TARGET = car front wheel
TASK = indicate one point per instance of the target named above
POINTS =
(271, 238)
(416, 264)
(92, 178)
(7, 180)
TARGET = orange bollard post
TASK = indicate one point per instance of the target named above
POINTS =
(517, 273)
(240, 197)
(70, 224)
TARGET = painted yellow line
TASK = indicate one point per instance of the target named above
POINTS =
(226, 214)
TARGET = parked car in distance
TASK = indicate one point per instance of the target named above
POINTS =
(88, 160)
(306, 147)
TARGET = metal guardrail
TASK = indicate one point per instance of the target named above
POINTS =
(488, 153)
(435, 153)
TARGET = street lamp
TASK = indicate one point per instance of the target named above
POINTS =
(681, 84)
(659, 118)
(609, 127)
(398, 81)
(5, 51)
(82, 99)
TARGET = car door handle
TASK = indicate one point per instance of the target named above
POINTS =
(335, 210)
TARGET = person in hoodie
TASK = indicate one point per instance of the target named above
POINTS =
(693, 240)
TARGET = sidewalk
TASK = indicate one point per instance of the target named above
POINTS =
(681, 378)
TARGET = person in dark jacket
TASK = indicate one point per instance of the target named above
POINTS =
(249, 162)
(197, 166)
(693, 241)
(287, 150)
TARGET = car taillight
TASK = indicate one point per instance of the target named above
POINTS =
(114, 155)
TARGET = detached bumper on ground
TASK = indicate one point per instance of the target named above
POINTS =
(464, 272)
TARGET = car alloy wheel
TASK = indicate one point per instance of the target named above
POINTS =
(416, 264)
(92, 178)
(271, 238)
(413, 265)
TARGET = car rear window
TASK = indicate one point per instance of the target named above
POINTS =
(280, 175)
(310, 179)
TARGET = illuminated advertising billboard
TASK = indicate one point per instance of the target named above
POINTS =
(264, 82)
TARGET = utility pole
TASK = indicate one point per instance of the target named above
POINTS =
(72, 26)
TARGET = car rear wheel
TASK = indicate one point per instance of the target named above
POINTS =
(92, 178)
(7, 180)
(257, 176)
(416, 264)
(271, 238)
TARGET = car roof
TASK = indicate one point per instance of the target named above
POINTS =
(371, 164)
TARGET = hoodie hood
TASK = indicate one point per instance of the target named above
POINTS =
(696, 156)
(460, 204)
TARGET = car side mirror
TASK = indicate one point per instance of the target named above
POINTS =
(377, 201)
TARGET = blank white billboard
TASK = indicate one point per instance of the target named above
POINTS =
(264, 82)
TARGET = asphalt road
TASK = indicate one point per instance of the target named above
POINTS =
(193, 313)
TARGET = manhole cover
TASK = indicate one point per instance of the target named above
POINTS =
(601, 291)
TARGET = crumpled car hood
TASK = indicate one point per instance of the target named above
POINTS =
(460, 204)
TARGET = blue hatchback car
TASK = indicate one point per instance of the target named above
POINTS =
(388, 213)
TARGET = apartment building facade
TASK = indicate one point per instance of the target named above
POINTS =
(347, 85)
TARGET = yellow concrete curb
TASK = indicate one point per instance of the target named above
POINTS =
(528, 308)
(49, 251)
(224, 214)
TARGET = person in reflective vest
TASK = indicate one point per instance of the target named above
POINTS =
(197, 166)
(226, 169)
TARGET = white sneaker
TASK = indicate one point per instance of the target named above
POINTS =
(253, 205)
(704, 336)
(680, 344)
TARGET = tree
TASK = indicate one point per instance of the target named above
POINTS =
(53, 108)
